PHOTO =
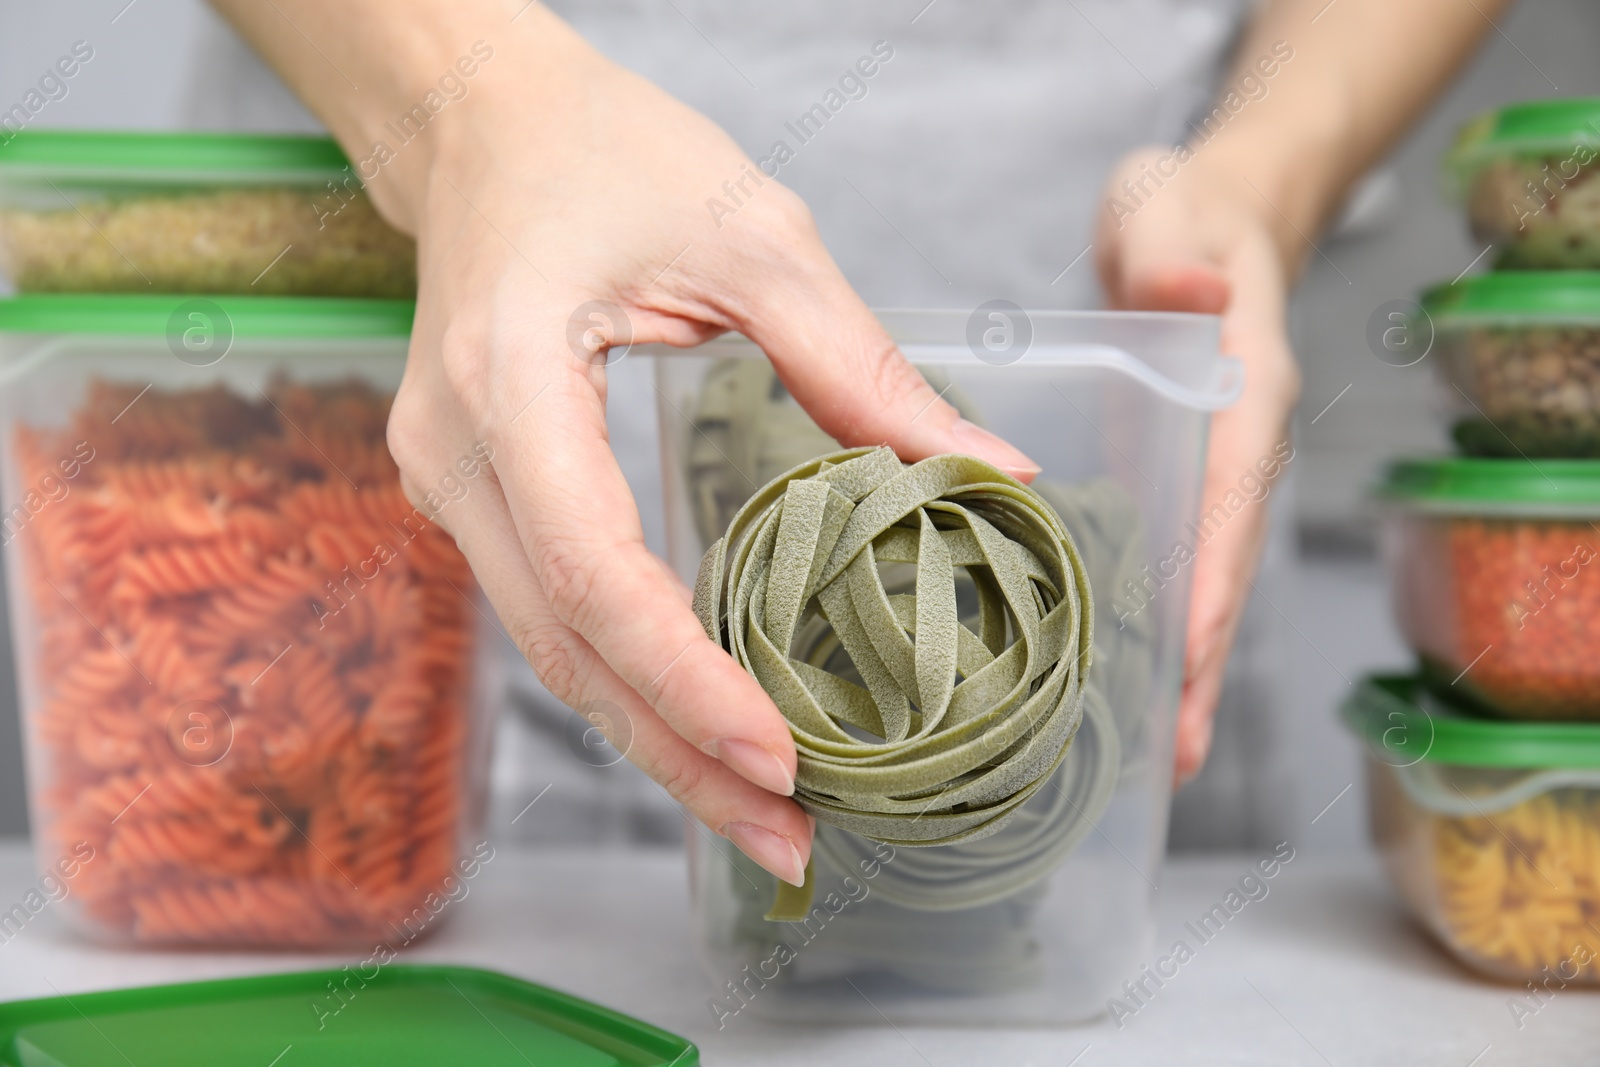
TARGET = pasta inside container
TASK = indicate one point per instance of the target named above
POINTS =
(1490, 831)
(249, 677)
(1039, 921)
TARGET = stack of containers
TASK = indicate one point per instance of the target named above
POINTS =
(1484, 768)
(248, 667)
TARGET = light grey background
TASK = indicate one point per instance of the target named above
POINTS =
(1331, 595)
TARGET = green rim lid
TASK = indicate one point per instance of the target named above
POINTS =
(1538, 295)
(395, 1014)
(158, 315)
(1532, 127)
(79, 153)
(1553, 488)
(1405, 722)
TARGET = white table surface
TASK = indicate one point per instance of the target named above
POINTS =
(1325, 970)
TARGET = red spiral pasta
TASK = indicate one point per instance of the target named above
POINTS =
(251, 667)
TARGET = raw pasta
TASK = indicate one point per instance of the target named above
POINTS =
(966, 726)
(1519, 889)
(250, 667)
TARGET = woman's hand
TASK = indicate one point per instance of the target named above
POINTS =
(1200, 242)
(560, 204)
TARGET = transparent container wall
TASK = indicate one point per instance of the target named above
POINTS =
(1536, 212)
(1500, 609)
(304, 234)
(1521, 389)
(1499, 864)
(251, 693)
(1040, 922)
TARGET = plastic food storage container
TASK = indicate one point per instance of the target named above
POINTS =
(1041, 922)
(1489, 830)
(1519, 362)
(193, 213)
(251, 696)
(1526, 174)
(1495, 572)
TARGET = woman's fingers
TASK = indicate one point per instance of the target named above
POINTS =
(1196, 247)
(838, 361)
(580, 530)
(771, 830)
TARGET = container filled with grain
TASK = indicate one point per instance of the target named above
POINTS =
(1518, 357)
(193, 213)
(1526, 175)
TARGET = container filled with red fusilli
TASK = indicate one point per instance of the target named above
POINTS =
(248, 666)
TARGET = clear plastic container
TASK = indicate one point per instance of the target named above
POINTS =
(252, 699)
(1041, 922)
(1518, 355)
(1526, 176)
(193, 213)
(1495, 573)
(1489, 830)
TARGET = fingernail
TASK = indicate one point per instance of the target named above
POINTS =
(1196, 748)
(774, 852)
(753, 763)
(979, 442)
(1026, 473)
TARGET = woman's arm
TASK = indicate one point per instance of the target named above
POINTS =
(1361, 73)
(1318, 92)
(556, 193)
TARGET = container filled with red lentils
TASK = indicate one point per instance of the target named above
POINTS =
(1495, 574)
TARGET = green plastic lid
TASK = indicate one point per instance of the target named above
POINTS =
(157, 315)
(1526, 488)
(1405, 723)
(1530, 128)
(399, 1015)
(1553, 296)
(78, 154)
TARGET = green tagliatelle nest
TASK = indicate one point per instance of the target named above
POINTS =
(841, 587)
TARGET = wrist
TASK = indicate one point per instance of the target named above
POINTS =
(448, 80)
(1288, 169)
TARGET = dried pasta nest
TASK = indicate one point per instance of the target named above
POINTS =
(911, 727)
(747, 431)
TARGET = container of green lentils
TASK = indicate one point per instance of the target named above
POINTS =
(1526, 176)
(92, 212)
(1518, 358)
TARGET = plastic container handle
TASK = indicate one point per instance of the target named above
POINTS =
(1225, 388)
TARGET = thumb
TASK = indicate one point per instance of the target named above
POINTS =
(1175, 285)
(845, 370)
(1158, 260)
